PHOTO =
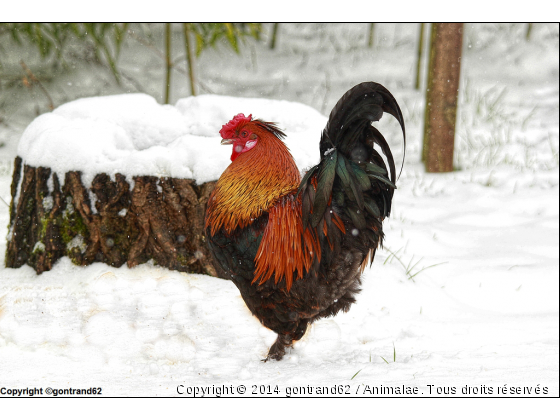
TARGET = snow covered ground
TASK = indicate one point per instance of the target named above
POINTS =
(463, 300)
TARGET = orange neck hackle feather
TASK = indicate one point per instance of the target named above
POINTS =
(265, 179)
(252, 184)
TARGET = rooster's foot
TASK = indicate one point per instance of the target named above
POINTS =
(278, 349)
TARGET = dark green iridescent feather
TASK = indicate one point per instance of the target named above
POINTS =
(325, 181)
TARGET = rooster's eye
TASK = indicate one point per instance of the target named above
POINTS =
(244, 133)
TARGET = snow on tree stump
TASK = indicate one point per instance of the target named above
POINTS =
(124, 180)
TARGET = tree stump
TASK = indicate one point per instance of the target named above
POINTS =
(157, 218)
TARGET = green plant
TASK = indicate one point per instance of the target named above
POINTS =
(107, 37)
(371, 32)
(189, 57)
(493, 132)
(208, 34)
(385, 360)
(419, 56)
(411, 264)
(104, 39)
(273, 36)
(46, 37)
(53, 41)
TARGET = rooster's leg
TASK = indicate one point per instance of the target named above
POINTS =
(278, 349)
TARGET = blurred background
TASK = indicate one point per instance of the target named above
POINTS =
(508, 90)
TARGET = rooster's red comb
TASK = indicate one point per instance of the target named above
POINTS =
(228, 130)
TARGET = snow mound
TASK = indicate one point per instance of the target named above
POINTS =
(133, 135)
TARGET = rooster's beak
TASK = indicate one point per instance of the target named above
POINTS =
(225, 142)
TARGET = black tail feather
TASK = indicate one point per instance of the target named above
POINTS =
(354, 113)
(352, 175)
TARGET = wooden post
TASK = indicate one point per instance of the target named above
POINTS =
(441, 96)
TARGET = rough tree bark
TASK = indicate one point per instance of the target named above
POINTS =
(158, 218)
(441, 96)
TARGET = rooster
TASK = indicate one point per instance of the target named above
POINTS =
(295, 248)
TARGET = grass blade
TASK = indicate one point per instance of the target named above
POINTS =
(356, 374)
